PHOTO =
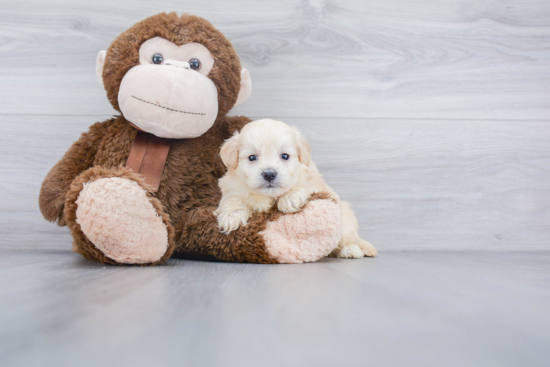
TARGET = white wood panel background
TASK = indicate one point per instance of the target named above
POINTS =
(431, 117)
(373, 58)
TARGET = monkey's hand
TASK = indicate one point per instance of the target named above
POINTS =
(293, 200)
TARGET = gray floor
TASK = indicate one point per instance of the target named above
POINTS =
(401, 309)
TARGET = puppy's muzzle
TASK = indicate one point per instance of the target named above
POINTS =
(269, 174)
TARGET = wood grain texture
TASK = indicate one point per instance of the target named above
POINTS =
(425, 309)
(313, 58)
(414, 184)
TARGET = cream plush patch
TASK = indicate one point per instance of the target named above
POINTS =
(305, 236)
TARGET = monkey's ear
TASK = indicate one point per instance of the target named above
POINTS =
(246, 87)
(230, 152)
(304, 151)
(99, 62)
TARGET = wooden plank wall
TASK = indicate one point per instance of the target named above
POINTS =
(431, 117)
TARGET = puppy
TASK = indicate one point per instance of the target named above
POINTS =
(269, 162)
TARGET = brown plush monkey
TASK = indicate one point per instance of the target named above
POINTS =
(142, 186)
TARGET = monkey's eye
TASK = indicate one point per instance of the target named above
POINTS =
(195, 64)
(285, 156)
(252, 158)
(157, 59)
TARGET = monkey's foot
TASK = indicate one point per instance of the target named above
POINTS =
(116, 215)
(305, 236)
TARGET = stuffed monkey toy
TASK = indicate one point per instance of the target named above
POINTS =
(143, 186)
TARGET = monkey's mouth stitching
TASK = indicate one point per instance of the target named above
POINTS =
(168, 108)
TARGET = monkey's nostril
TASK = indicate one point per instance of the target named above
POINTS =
(269, 174)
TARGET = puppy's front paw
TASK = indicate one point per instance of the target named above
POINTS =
(230, 221)
(292, 201)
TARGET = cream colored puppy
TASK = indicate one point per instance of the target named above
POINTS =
(270, 162)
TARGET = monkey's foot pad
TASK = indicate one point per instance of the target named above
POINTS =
(117, 217)
(306, 236)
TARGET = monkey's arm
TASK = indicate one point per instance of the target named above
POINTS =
(200, 236)
(77, 159)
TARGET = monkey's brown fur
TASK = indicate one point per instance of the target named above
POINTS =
(189, 191)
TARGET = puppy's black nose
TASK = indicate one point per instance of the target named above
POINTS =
(269, 174)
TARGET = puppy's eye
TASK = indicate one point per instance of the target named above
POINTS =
(285, 156)
(252, 158)
(157, 59)
(195, 64)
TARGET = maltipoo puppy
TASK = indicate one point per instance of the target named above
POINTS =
(269, 162)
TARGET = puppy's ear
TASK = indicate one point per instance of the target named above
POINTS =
(304, 152)
(230, 152)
